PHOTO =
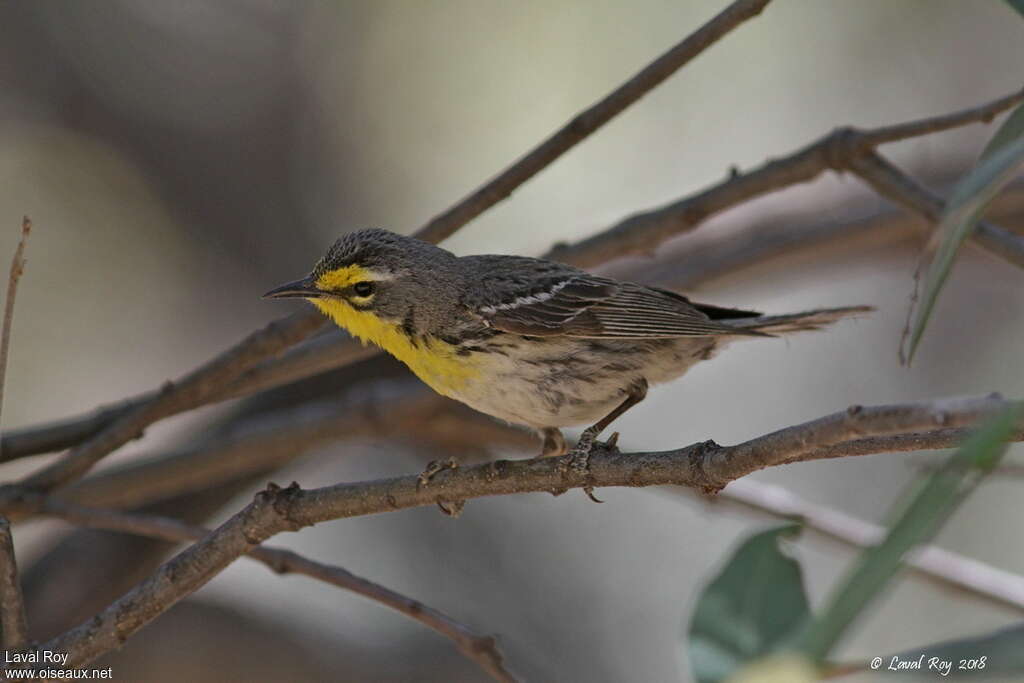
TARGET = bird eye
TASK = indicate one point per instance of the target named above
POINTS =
(363, 289)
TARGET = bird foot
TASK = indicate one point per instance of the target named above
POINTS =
(432, 468)
(578, 459)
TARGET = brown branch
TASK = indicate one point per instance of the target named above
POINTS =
(912, 129)
(639, 234)
(588, 121)
(17, 268)
(12, 606)
(706, 466)
(479, 649)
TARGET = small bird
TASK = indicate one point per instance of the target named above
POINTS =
(528, 341)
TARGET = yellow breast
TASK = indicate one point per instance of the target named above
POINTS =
(434, 361)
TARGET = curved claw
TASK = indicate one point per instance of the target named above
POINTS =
(432, 468)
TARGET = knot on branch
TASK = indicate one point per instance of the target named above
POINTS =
(278, 502)
(701, 475)
(841, 147)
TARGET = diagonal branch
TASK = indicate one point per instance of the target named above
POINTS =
(12, 604)
(192, 391)
(706, 466)
(588, 121)
(890, 182)
(482, 650)
(17, 268)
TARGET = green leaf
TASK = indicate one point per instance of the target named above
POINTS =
(925, 512)
(754, 606)
(1017, 5)
(998, 654)
(1000, 163)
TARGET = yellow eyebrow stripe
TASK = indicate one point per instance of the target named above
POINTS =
(340, 278)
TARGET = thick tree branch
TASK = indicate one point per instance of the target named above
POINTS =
(705, 466)
(588, 121)
(482, 650)
(12, 606)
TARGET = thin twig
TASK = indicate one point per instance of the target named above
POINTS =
(482, 650)
(12, 605)
(705, 466)
(892, 183)
(17, 268)
(843, 149)
(901, 131)
(588, 121)
(840, 150)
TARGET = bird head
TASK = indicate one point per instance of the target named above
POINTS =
(380, 272)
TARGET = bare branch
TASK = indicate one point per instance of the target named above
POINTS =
(705, 466)
(12, 606)
(912, 129)
(17, 268)
(586, 122)
(482, 650)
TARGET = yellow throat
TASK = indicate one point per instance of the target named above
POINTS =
(434, 361)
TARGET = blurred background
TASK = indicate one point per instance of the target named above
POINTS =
(180, 158)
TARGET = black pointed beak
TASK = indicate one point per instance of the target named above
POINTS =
(304, 288)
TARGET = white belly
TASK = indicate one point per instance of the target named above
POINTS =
(561, 382)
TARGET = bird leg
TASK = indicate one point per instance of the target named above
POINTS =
(579, 457)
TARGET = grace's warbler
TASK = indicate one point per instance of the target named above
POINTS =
(528, 341)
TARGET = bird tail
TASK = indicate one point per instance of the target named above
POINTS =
(795, 322)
